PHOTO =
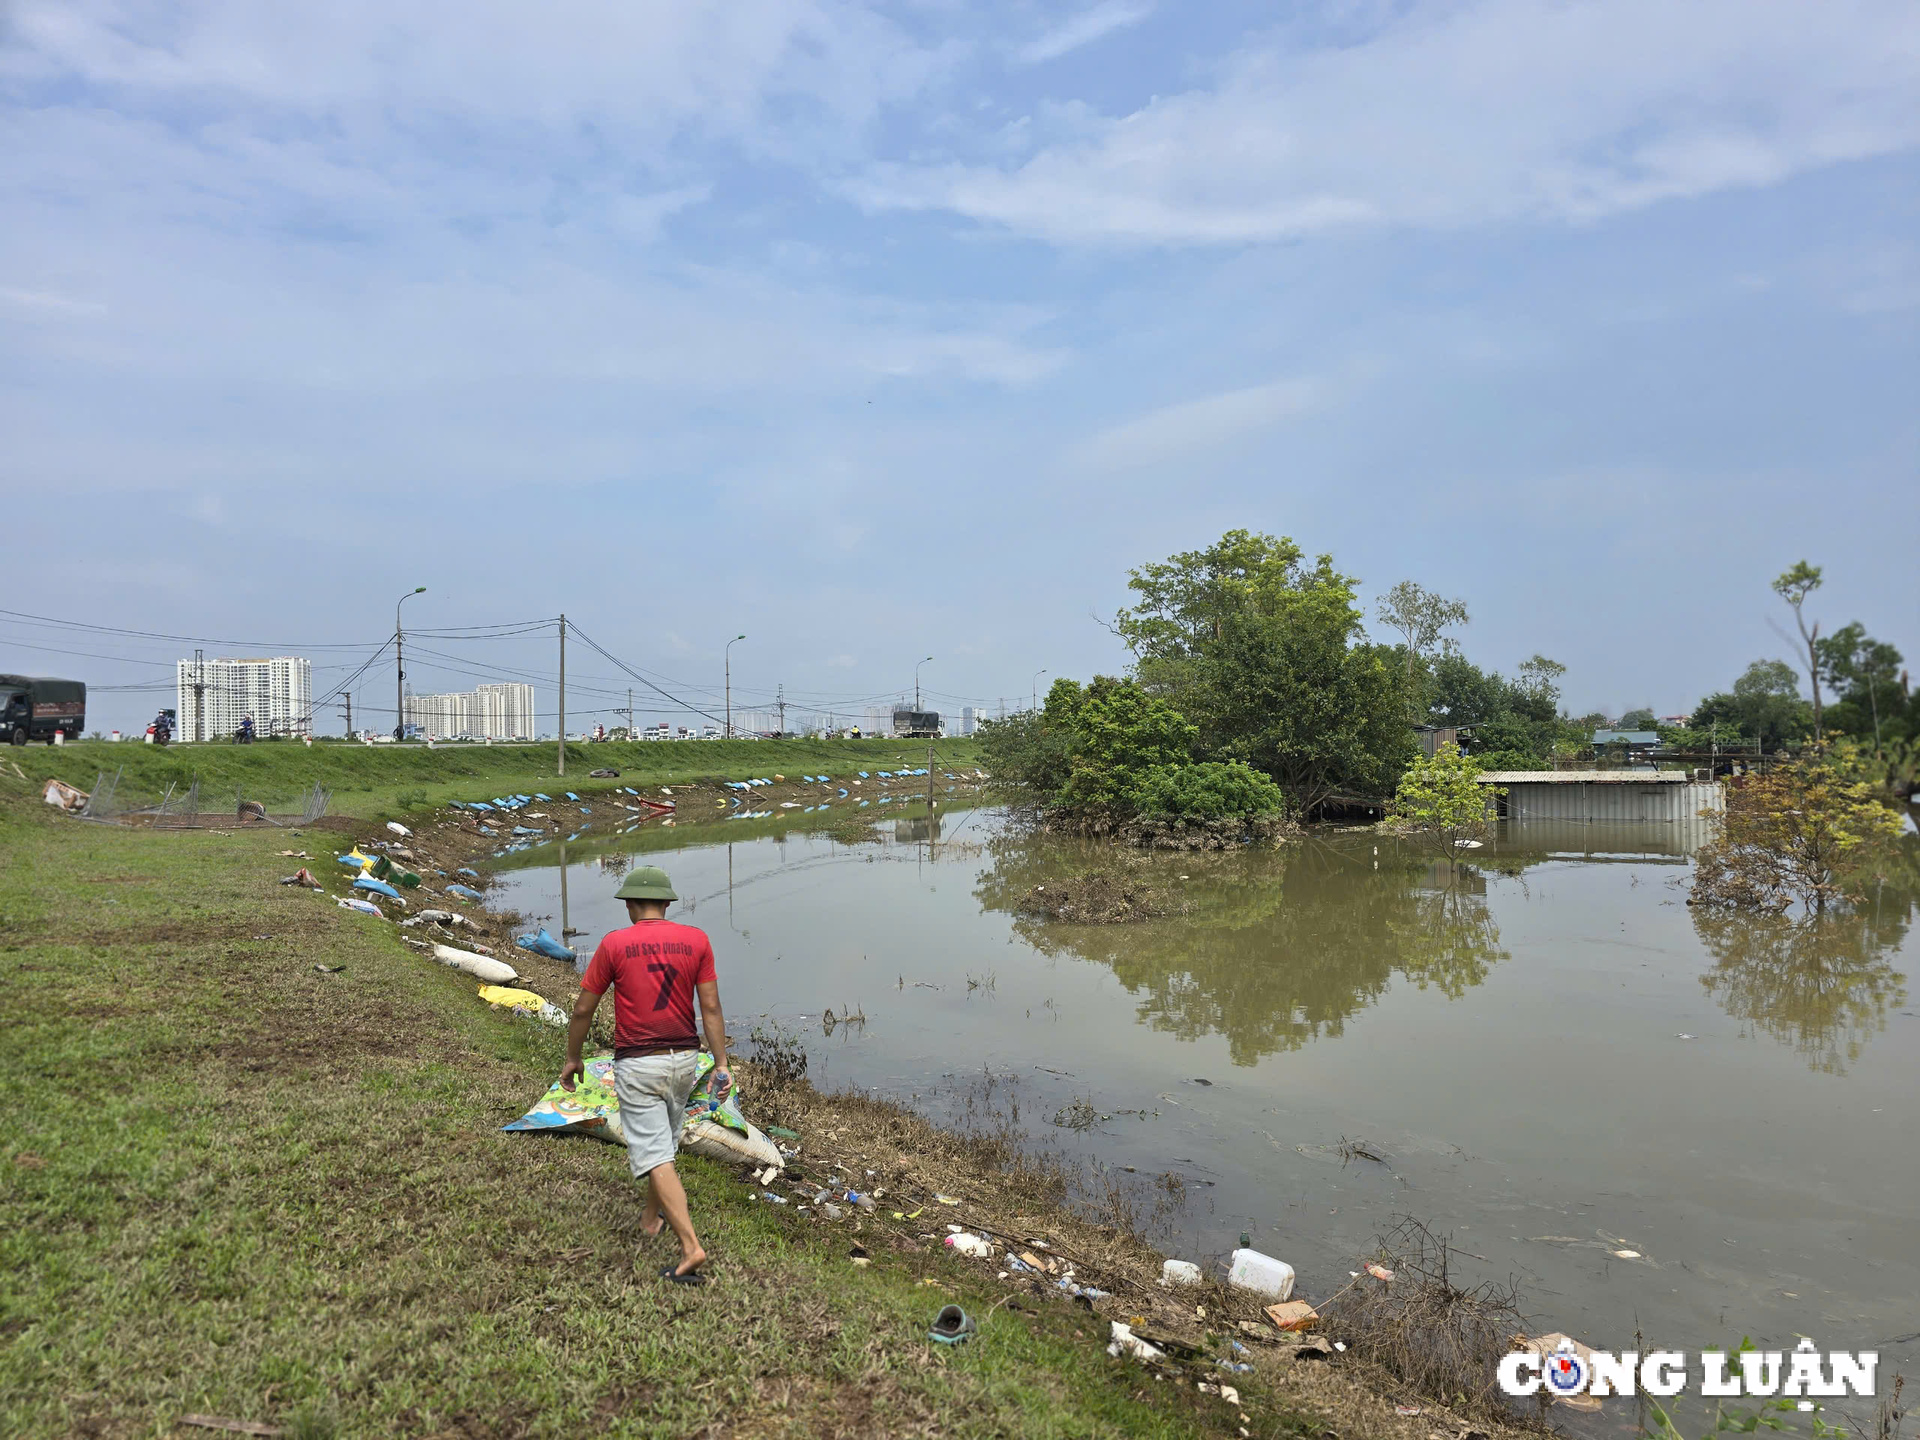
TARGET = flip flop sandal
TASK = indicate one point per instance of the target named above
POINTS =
(952, 1326)
(692, 1277)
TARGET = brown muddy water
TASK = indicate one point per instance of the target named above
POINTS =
(1553, 1058)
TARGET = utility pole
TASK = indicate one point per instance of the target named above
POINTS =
(199, 694)
(780, 701)
(727, 654)
(630, 712)
(349, 710)
(399, 670)
(1036, 688)
(563, 704)
(916, 685)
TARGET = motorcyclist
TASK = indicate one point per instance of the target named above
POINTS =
(245, 735)
(161, 729)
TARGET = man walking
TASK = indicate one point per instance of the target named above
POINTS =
(655, 967)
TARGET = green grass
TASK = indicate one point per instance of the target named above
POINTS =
(232, 1185)
(372, 781)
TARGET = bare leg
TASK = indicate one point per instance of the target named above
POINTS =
(670, 1200)
(651, 1221)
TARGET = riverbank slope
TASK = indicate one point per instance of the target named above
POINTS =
(239, 1181)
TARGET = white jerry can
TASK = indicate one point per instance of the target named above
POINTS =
(1261, 1274)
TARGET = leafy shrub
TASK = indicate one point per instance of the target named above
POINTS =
(1207, 790)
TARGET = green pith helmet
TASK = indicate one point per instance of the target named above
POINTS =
(646, 882)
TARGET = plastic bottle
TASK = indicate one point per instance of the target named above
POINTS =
(1261, 1274)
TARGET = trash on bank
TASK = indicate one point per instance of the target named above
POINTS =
(535, 1007)
(436, 917)
(63, 796)
(1293, 1315)
(365, 907)
(545, 944)
(1545, 1346)
(303, 878)
(377, 887)
(1261, 1274)
(397, 828)
(1179, 1272)
(952, 1326)
(977, 1246)
(1125, 1342)
(494, 972)
(1379, 1271)
(465, 892)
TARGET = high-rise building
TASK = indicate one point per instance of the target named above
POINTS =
(487, 712)
(966, 720)
(216, 695)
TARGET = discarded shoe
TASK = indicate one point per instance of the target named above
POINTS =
(692, 1277)
(952, 1326)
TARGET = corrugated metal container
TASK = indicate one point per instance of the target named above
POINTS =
(1603, 796)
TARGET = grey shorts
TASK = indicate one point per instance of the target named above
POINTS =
(653, 1091)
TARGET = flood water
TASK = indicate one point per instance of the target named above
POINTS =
(1552, 1055)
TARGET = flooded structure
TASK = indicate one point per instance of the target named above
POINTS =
(1590, 796)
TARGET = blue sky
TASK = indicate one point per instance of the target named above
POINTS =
(894, 330)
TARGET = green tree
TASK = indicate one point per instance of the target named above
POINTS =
(1764, 705)
(1207, 790)
(1266, 656)
(1119, 734)
(1442, 796)
(1794, 586)
(1857, 665)
(1641, 719)
(1421, 617)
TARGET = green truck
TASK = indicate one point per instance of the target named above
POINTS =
(33, 707)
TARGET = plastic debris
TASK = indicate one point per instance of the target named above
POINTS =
(377, 887)
(303, 878)
(976, 1246)
(1293, 1315)
(465, 892)
(1179, 1272)
(1262, 1274)
(525, 1002)
(545, 944)
(1379, 1272)
(365, 907)
(63, 796)
(1125, 1342)
(397, 828)
(952, 1326)
(481, 967)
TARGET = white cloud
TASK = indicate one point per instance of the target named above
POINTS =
(1175, 432)
(1465, 113)
(1085, 28)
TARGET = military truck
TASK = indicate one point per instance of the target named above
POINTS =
(34, 707)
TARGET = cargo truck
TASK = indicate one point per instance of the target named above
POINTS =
(33, 707)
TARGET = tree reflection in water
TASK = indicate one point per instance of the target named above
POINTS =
(1822, 984)
(1278, 948)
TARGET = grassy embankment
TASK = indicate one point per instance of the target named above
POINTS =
(232, 1185)
(374, 781)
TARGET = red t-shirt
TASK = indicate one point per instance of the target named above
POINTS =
(653, 966)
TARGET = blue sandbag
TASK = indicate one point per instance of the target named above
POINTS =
(465, 871)
(843, 792)
(544, 944)
(528, 830)
(572, 796)
(465, 892)
(378, 887)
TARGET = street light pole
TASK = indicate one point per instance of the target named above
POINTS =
(1036, 688)
(728, 653)
(399, 670)
(916, 684)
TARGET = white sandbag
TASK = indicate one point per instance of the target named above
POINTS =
(494, 972)
(719, 1142)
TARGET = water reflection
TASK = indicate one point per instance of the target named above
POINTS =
(1278, 947)
(1822, 985)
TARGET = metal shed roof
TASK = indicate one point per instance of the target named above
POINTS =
(1583, 777)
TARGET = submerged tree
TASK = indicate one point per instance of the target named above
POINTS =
(1807, 833)
(1442, 796)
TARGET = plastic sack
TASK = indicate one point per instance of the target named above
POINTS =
(534, 1007)
(545, 944)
